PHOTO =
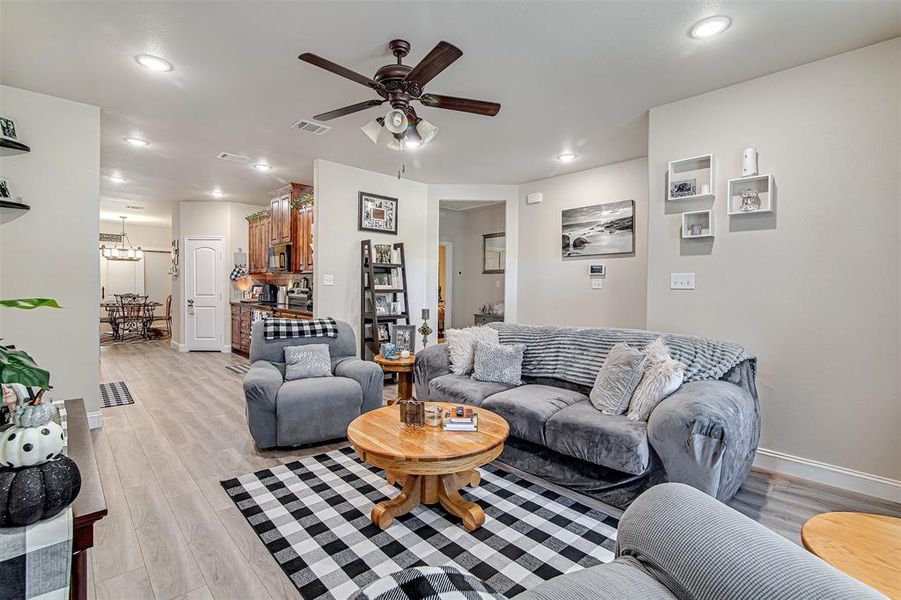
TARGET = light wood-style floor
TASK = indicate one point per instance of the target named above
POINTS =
(172, 532)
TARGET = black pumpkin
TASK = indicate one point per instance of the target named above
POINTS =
(30, 494)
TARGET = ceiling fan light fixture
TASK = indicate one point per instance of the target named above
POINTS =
(396, 121)
(426, 130)
(373, 130)
(395, 144)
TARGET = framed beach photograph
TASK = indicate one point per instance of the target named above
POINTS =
(8, 129)
(599, 229)
(378, 213)
(683, 189)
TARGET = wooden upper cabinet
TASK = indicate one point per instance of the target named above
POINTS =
(285, 225)
(275, 221)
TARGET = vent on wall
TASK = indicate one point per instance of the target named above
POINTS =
(232, 157)
(311, 127)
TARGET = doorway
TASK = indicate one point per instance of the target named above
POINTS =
(204, 315)
(471, 236)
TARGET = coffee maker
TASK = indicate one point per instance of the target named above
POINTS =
(269, 295)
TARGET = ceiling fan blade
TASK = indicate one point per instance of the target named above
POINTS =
(340, 112)
(479, 107)
(440, 58)
(339, 70)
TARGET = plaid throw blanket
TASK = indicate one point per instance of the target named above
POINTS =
(282, 329)
(430, 583)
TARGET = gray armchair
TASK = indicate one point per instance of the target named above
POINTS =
(307, 411)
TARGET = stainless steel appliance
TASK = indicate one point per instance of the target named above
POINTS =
(300, 295)
(269, 295)
(280, 258)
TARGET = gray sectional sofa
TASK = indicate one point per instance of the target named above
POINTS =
(704, 435)
(307, 411)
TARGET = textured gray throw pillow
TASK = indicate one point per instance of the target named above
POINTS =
(312, 360)
(498, 363)
(617, 379)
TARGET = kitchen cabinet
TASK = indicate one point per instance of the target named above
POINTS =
(284, 225)
(302, 230)
(258, 241)
(242, 315)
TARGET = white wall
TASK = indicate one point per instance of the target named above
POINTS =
(337, 240)
(52, 250)
(471, 288)
(554, 290)
(814, 290)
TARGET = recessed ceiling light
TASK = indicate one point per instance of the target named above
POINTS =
(154, 63)
(117, 179)
(262, 167)
(136, 141)
(710, 27)
(566, 157)
(217, 193)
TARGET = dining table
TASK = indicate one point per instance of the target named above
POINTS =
(112, 309)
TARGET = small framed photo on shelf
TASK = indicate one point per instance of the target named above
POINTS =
(377, 213)
(8, 129)
(383, 253)
(683, 189)
(384, 333)
(255, 292)
(381, 305)
(404, 338)
(5, 191)
(395, 308)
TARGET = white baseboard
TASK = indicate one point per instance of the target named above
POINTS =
(227, 349)
(177, 346)
(819, 472)
(95, 419)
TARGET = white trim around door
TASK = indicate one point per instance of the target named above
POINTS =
(204, 296)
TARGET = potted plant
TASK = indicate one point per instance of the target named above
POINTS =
(36, 480)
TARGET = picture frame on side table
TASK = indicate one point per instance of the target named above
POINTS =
(404, 338)
(377, 213)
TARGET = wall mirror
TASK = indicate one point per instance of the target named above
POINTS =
(494, 253)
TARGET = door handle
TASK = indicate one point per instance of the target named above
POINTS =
(190, 301)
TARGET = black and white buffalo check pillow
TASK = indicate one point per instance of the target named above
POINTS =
(429, 583)
(313, 517)
(276, 328)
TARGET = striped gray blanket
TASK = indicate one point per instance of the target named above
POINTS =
(576, 354)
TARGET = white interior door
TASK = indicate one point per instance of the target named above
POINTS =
(204, 306)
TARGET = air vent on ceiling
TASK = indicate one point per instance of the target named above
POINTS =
(232, 157)
(311, 127)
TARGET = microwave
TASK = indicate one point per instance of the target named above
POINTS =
(280, 258)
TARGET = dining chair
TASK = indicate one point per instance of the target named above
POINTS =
(133, 316)
(167, 317)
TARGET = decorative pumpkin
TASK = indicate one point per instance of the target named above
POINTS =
(34, 493)
(27, 446)
(33, 415)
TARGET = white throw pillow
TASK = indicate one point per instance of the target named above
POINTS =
(662, 376)
(461, 346)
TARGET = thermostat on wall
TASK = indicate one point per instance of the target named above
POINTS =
(535, 198)
(596, 270)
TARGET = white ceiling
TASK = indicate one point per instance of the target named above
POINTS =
(461, 205)
(571, 76)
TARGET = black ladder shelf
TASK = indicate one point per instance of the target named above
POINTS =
(369, 316)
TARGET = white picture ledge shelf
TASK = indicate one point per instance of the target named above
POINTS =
(762, 184)
(702, 218)
(691, 179)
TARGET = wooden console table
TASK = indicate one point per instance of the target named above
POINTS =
(90, 505)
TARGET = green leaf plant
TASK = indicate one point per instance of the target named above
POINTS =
(17, 366)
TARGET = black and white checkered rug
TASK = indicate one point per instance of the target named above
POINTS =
(313, 516)
(239, 369)
(115, 394)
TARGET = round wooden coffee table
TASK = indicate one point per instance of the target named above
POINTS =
(404, 369)
(866, 547)
(431, 464)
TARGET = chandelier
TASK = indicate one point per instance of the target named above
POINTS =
(120, 251)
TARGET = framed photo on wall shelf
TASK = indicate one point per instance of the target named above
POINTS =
(599, 229)
(5, 191)
(8, 129)
(377, 213)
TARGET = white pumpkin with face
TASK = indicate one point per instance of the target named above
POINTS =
(29, 446)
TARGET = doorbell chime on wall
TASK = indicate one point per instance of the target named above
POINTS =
(749, 162)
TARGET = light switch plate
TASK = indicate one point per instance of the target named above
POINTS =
(328, 279)
(597, 283)
(681, 281)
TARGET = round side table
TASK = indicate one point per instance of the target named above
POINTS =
(864, 546)
(404, 369)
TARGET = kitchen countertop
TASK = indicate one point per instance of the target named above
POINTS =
(276, 307)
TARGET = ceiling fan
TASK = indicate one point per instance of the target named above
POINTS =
(399, 85)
